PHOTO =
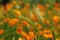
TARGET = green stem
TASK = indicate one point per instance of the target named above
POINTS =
(9, 35)
(53, 35)
(40, 17)
(30, 22)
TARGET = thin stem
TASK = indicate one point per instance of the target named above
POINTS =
(30, 22)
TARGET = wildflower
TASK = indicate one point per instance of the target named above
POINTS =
(19, 30)
(56, 4)
(46, 21)
(41, 33)
(24, 34)
(34, 17)
(39, 26)
(25, 23)
(41, 7)
(1, 31)
(55, 18)
(29, 37)
(13, 22)
(31, 33)
(20, 39)
(17, 13)
(47, 34)
(8, 7)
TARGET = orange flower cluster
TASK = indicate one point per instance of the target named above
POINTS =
(50, 18)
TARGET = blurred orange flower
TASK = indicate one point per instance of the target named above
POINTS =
(19, 30)
(31, 33)
(13, 21)
(17, 12)
(41, 7)
(47, 34)
(20, 39)
(24, 34)
(25, 23)
(55, 18)
(1, 31)
(46, 21)
(41, 33)
(29, 37)
(39, 26)
(56, 4)
(8, 7)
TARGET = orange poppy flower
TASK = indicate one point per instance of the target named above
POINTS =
(19, 30)
(25, 23)
(55, 18)
(41, 7)
(8, 7)
(56, 4)
(1, 31)
(29, 37)
(47, 34)
(34, 17)
(17, 12)
(46, 21)
(20, 38)
(47, 31)
(31, 33)
(41, 33)
(39, 26)
(24, 34)
(13, 22)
